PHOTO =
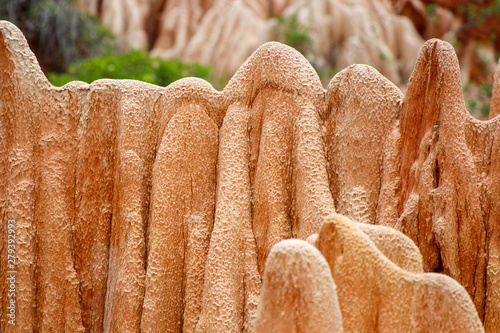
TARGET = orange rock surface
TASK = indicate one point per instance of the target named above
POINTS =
(377, 296)
(139, 207)
(298, 291)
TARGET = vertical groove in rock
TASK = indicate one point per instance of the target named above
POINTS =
(277, 83)
(58, 117)
(298, 292)
(95, 157)
(362, 110)
(311, 197)
(442, 187)
(232, 281)
(181, 220)
(271, 190)
(135, 142)
(77, 168)
(419, 114)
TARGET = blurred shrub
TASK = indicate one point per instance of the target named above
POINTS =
(135, 65)
(486, 88)
(58, 33)
(477, 12)
(478, 98)
(293, 33)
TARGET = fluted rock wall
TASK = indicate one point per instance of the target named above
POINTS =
(139, 207)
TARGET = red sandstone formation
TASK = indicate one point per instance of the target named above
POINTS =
(119, 130)
(377, 296)
(449, 180)
(181, 214)
(286, 159)
(146, 208)
(361, 147)
(393, 244)
(298, 292)
(232, 281)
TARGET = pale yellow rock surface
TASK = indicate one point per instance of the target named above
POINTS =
(398, 248)
(361, 146)
(181, 219)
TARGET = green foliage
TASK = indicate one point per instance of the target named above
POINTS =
(485, 109)
(476, 14)
(478, 97)
(135, 65)
(486, 88)
(471, 104)
(293, 33)
(58, 32)
(430, 8)
(431, 11)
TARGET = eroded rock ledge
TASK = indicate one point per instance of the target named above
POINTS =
(139, 207)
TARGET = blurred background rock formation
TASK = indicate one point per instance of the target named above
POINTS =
(139, 206)
(385, 34)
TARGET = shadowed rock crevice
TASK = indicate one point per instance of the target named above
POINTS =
(443, 171)
(231, 276)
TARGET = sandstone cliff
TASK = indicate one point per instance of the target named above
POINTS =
(385, 34)
(139, 207)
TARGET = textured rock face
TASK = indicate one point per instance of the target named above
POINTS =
(233, 282)
(398, 248)
(181, 220)
(449, 178)
(377, 296)
(362, 147)
(146, 208)
(298, 292)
